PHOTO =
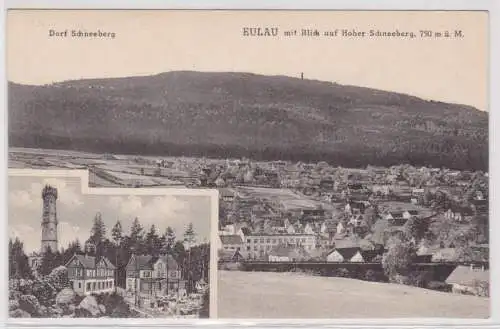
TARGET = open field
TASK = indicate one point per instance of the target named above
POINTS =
(286, 197)
(292, 295)
(112, 171)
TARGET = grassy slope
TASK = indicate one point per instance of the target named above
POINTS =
(244, 114)
(288, 295)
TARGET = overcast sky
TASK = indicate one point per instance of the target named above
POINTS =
(76, 211)
(150, 42)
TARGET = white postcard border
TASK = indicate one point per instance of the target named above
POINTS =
(488, 5)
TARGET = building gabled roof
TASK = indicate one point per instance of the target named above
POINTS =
(369, 255)
(246, 231)
(231, 239)
(396, 214)
(288, 251)
(445, 254)
(108, 263)
(229, 255)
(146, 262)
(348, 253)
(226, 192)
(90, 262)
(346, 244)
(427, 251)
(86, 261)
(466, 276)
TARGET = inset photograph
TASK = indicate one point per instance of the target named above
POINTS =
(79, 252)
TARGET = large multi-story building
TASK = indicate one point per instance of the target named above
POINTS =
(91, 275)
(153, 275)
(257, 245)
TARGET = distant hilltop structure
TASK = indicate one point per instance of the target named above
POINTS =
(49, 226)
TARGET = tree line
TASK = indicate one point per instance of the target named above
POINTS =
(192, 259)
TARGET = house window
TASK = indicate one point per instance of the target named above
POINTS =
(94, 285)
(88, 286)
(248, 240)
(268, 240)
(255, 240)
(248, 248)
(79, 285)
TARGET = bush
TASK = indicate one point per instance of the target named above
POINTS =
(25, 287)
(44, 292)
(58, 278)
(371, 275)
(231, 266)
(482, 288)
(30, 304)
(401, 279)
(398, 259)
(439, 286)
(205, 307)
(343, 273)
(115, 304)
(420, 279)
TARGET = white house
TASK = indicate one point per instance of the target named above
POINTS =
(340, 228)
(345, 255)
(231, 242)
(153, 275)
(334, 257)
(453, 215)
(291, 229)
(88, 275)
(407, 214)
(308, 229)
(357, 258)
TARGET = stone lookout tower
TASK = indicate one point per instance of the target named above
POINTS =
(49, 219)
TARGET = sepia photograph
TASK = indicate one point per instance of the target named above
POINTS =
(349, 150)
(75, 254)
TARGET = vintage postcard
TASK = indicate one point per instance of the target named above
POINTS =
(349, 150)
(79, 252)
